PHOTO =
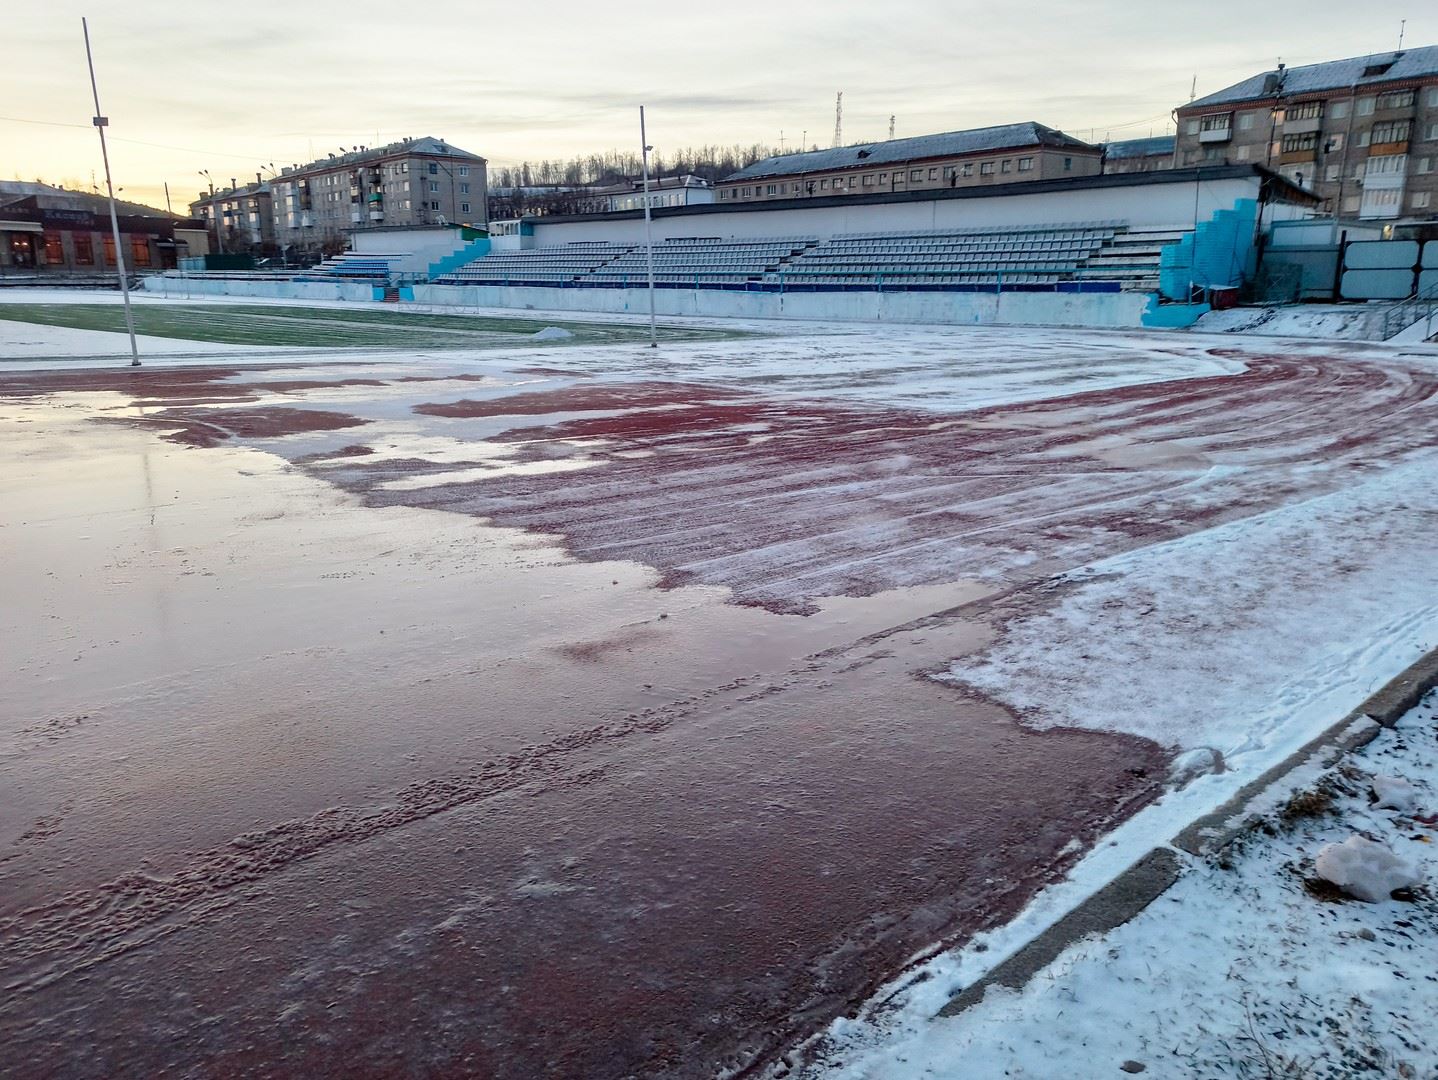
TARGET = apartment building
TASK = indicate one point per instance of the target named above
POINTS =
(1361, 133)
(1010, 153)
(245, 213)
(411, 182)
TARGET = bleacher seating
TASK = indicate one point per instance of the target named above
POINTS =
(349, 266)
(1095, 255)
(561, 264)
(703, 262)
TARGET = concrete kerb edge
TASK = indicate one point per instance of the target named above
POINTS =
(1153, 874)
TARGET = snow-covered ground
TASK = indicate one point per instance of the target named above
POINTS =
(1246, 968)
(1351, 322)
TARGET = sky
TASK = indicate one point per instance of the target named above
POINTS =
(233, 88)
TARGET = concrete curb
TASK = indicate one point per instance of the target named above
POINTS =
(1149, 878)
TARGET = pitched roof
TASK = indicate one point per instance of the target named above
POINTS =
(1374, 68)
(946, 144)
(1137, 148)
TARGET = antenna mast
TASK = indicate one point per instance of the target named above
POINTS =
(839, 119)
(891, 127)
(1402, 26)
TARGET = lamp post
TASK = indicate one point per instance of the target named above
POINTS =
(648, 227)
(101, 122)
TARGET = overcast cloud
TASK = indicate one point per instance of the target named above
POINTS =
(234, 87)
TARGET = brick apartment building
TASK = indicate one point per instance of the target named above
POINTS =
(1361, 133)
(1011, 153)
(306, 207)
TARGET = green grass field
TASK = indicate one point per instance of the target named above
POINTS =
(325, 328)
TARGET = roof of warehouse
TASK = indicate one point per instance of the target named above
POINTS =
(1135, 148)
(944, 144)
(1356, 71)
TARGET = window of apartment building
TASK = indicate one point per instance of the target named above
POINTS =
(109, 241)
(1334, 143)
(1216, 122)
(916, 175)
(1433, 97)
(1006, 165)
(1338, 110)
(1421, 199)
(1293, 144)
(853, 180)
(1386, 165)
(794, 187)
(464, 189)
(748, 191)
(404, 204)
(464, 208)
(1068, 164)
(433, 168)
(772, 189)
(1431, 133)
(1213, 154)
(464, 170)
(433, 186)
(1424, 165)
(824, 185)
(1026, 164)
(1191, 127)
(139, 251)
(986, 168)
(54, 248)
(934, 173)
(1307, 110)
(1391, 132)
(1241, 154)
(967, 170)
(868, 179)
(883, 177)
(950, 171)
(1245, 121)
(84, 249)
(1331, 174)
(434, 205)
(1350, 204)
(406, 185)
(1396, 99)
(1365, 106)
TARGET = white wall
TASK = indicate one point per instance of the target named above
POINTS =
(423, 246)
(1033, 309)
(1160, 206)
(1027, 308)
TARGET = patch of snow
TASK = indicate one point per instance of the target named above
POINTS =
(551, 333)
(1392, 793)
(1261, 630)
(1365, 869)
(1353, 322)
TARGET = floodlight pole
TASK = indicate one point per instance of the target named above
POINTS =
(648, 228)
(101, 122)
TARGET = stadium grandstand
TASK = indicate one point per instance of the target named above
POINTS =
(1038, 257)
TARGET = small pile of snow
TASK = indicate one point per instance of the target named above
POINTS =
(1393, 793)
(552, 333)
(1365, 869)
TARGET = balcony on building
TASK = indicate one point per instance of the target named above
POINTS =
(1216, 128)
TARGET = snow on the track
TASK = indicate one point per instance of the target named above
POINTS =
(1238, 971)
(1264, 628)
